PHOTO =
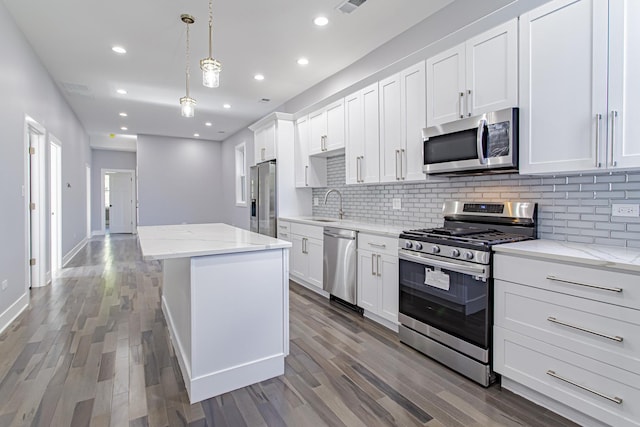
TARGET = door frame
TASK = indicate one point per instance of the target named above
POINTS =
(55, 188)
(88, 207)
(38, 245)
(134, 197)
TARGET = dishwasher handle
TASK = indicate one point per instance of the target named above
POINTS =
(339, 236)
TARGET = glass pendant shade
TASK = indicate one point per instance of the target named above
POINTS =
(188, 106)
(210, 72)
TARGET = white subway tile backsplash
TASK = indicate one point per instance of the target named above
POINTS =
(579, 210)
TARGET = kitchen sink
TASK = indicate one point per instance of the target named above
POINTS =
(325, 219)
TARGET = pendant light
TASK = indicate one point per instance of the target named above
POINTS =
(210, 67)
(186, 102)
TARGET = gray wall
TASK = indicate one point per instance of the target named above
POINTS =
(105, 159)
(179, 181)
(235, 215)
(570, 208)
(27, 89)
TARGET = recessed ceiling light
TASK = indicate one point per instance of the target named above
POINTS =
(119, 49)
(123, 114)
(196, 135)
(207, 124)
(303, 61)
(227, 106)
(321, 21)
(124, 128)
(258, 77)
(121, 91)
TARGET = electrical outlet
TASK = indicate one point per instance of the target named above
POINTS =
(316, 202)
(625, 210)
(5, 284)
(397, 204)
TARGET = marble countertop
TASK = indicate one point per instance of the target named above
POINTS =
(189, 240)
(379, 229)
(627, 259)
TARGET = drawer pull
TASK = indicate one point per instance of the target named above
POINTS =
(604, 288)
(377, 245)
(597, 393)
(559, 322)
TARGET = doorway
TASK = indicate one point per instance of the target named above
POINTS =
(117, 202)
(55, 203)
(35, 229)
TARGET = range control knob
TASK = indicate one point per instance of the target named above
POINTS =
(418, 246)
(408, 244)
(455, 253)
(468, 255)
(435, 249)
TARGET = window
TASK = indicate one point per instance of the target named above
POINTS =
(241, 175)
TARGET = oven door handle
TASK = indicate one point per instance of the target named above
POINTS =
(474, 269)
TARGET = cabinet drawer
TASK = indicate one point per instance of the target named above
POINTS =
(306, 230)
(582, 383)
(378, 244)
(284, 227)
(605, 332)
(609, 286)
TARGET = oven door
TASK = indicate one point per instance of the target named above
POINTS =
(449, 295)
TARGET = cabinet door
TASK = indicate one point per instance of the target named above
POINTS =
(367, 281)
(414, 119)
(492, 70)
(563, 87)
(354, 144)
(315, 259)
(624, 85)
(335, 126)
(446, 86)
(299, 265)
(317, 131)
(301, 166)
(389, 287)
(390, 133)
(370, 163)
(270, 140)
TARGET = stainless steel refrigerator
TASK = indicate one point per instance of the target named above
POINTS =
(262, 190)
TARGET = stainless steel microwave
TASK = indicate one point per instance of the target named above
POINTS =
(481, 144)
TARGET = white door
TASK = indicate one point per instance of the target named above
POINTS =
(370, 163)
(563, 87)
(414, 119)
(354, 144)
(446, 86)
(37, 223)
(55, 205)
(317, 131)
(335, 126)
(301, 148)
(315, 258)
(389, 293)
(390, 132)
(121, 202)
(624, 84)
(367, 281)
(299, 266)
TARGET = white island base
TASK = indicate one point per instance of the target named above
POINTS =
(227, 313)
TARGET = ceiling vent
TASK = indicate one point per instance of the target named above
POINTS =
(264, 100)
(349, 6)
(76, 89)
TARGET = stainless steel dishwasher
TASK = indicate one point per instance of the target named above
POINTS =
(340, 265)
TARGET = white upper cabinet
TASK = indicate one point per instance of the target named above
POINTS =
(475, 77)
(265, 142)
(579, 62)
(309, 171)
(391, 147)
(362, 136)
(327, 128)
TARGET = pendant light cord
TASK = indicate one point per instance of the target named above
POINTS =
(187, 70)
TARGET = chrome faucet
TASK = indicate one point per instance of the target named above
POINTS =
(340, 211)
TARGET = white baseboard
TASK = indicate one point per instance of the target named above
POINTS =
(13, 311)
(95, 233)
(74, 251)
(309, 286)
(381, 320)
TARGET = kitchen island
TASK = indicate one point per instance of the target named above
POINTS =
(225, 297)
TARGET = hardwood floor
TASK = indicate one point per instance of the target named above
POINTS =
(93, 349)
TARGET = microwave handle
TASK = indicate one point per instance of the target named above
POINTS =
(482, 124)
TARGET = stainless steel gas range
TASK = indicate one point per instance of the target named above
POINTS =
(446, 282)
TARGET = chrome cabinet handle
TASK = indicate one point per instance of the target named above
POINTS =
(469, 104)
(358, 169)
(460, 107)
(361, 169)
(397, 153)
(401, 157)
(588, 285)
(598, 118)
(284, 227)
(377, 245)
(284, 235)
(378, 265)
(373, 269)
(614, 116)
(569, 325)
(262, 152)
(304, 245)
(306, 176)
(590, 390)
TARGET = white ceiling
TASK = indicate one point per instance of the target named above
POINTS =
(73, 38)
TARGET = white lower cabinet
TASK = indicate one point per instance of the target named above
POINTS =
(568, 336)
(378, 278)
(306, 255)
